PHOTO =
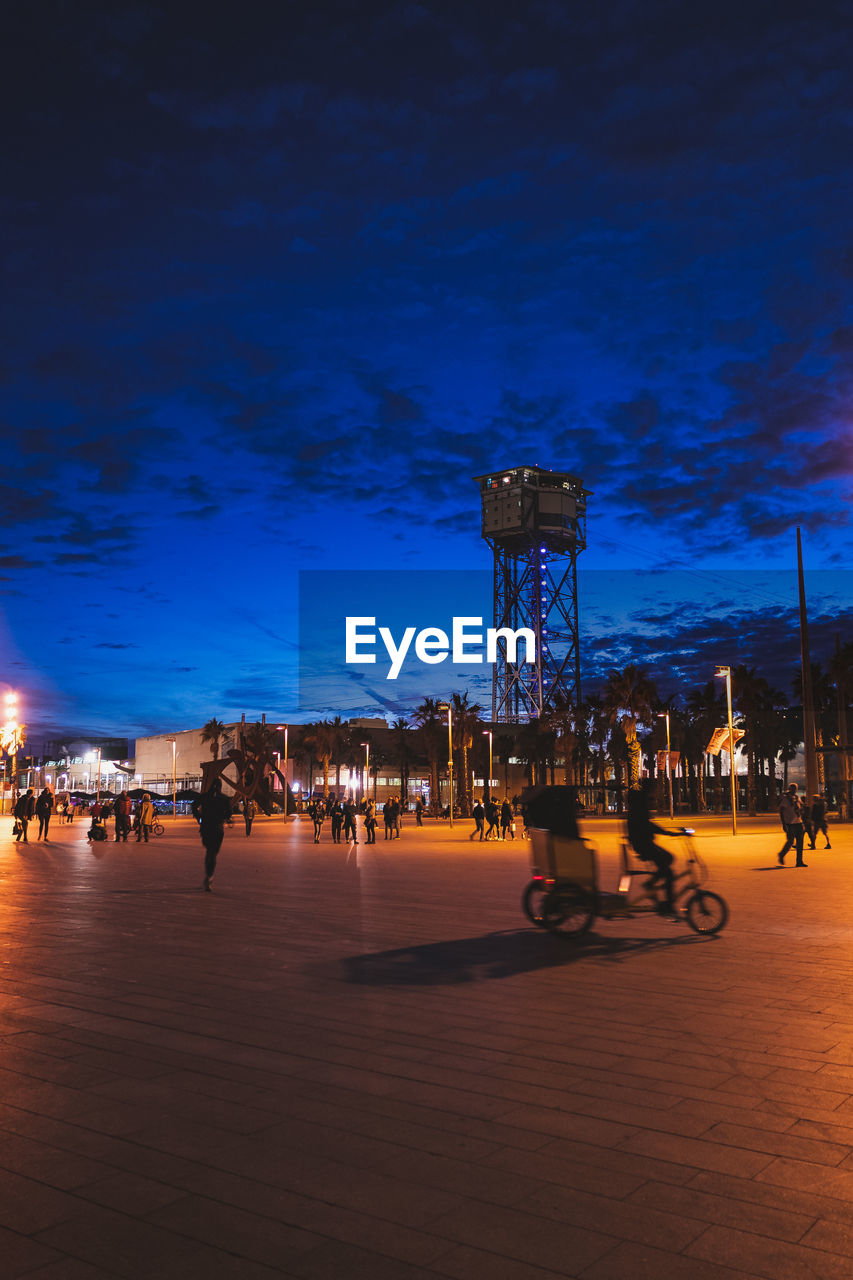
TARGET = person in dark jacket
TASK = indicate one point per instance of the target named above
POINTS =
(349, 822)
(337, 816)
(493, 815)
(641, 834)
(44, 808)
(24, 811)
(122, 817)
(818, 821)
(478, 813)
(506, 820)
(248, 815)
(212, 810)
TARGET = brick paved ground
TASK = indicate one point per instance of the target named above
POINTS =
(364, 1063)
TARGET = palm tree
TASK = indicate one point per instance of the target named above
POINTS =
(597, 719)
(402, 745)
(213, 733)
(339, 736)
(706, 711)
(752, 694)
(430, 723)
(466, 722)
(320, 738)
(562, 720)
(628, 696)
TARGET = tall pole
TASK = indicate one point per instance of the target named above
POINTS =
(98, 783)
(450, 756)
(174, 777)
(490, 735)
(366, 746)
(808, 701)
(844, 769)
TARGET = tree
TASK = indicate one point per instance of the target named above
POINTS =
(628, 696)
(431, 728)
(213, 732)
(403, 751)
(466, 722)
(339, 741)
(752, 694)
(320, 738)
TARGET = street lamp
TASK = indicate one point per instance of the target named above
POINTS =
(98, 783)
(664, 715)
(366, 746)
(490, 735)
(12, 739)
(174, 777)
(446, 706)
(727, 672)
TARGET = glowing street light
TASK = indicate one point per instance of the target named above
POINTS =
(669, 759)
(13, 736)
(174, 777)
(727, 672)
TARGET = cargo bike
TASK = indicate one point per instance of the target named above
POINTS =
(564, 895)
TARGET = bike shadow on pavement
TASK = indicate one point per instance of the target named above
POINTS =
(492, 956)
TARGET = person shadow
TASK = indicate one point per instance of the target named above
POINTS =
(492, 956)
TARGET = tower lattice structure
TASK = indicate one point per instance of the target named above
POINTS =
(534, 520)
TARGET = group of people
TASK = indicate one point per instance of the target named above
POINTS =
(27, 807)
(496, 815)
(800, 819)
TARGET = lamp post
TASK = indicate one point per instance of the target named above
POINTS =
(12, 738)
(174, 777)
(366, 746)
(98, 783)
(664, 715)
(446, 706)
(727, 672)
(488, 733)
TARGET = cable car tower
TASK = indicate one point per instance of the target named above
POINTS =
(534, 520)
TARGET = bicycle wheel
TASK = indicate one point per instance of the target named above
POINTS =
(707, 912)
(569, 909)
(532, 901)
(157, 829)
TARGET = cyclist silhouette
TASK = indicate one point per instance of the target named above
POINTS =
(641, 833)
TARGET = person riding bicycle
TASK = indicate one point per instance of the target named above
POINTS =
(641, 833)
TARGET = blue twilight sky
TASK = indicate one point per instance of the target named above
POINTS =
(280, 279)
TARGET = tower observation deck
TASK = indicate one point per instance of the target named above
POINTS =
(534, 520)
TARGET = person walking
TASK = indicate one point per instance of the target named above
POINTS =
(24, 811)
(506, 820)
(44, 808)
(337, 816)
(419, 812)
(248, 814)
(370, 821)
(212, 810)
(396, 817)
(122, 825)
(146, 818)
(641, 836)
(317, 809)
(350, 833)
(479, 815)
(493, 814)
(818, 821)
(791, 814)
(388, 815)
